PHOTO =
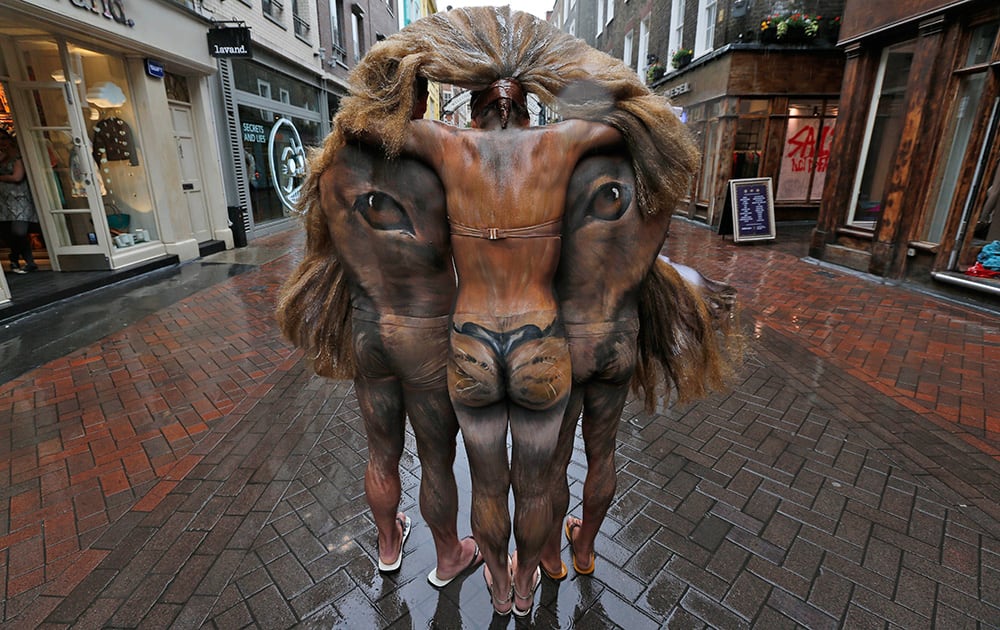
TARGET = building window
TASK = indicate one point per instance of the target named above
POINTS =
(643, 48)
(177, 87)
(611, 10)
(960, 128)
(882, 134)
(806, 154)
(627, 53)
(600, 16)
(299, 21)
(336, 32)
(272, 8)
(704, 40)
(676, 26)
(357, 32)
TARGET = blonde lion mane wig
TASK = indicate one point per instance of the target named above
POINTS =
(472, 48)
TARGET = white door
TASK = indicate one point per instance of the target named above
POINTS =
(197, 205)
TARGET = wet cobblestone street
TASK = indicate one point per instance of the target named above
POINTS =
(188, 470)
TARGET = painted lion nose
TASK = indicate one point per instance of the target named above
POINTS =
(527, 365)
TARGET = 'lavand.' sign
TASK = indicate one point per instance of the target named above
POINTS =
(229, 42)
(111, 9)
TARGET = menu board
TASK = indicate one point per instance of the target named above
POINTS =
(752, 206)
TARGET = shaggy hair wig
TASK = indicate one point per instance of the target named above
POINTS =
(472, 48)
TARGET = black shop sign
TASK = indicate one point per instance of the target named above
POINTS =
(749, 211)
(230, 42)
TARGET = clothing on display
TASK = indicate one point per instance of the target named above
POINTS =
(113, 142)
(78, 175)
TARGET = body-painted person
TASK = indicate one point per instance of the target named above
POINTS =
(474, 49)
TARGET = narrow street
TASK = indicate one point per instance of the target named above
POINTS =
(179, 465)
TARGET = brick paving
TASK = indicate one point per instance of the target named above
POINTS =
(189, 471)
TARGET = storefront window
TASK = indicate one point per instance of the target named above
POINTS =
(271, 159)
(114, 141)
(748, 146)
(279, 120)
(806, 153)
(710, 153)
(113, 151)
(885, 127)
(960, 129)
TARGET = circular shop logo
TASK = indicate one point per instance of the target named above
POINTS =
(288, 162)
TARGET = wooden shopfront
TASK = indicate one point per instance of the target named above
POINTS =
(760, 111)
(916, 153)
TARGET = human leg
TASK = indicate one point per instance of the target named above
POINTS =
(21, 244)
(436, 428)
(484, 431)
(541, 369)
(551, 558)
(6, 239)
(534, 436)
(603, 403)
(381, 402)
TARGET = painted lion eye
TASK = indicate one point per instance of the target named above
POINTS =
(382, 212)
(610, 201)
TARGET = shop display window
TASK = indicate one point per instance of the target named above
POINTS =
(960, 130)
(748, 147)
(114, 139)
(268, 157)
(279, 121)
(882, 134)
(110, 150)
(967, 112)
(805, 155)
(711, 140)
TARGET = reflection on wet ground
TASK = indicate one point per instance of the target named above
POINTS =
(190, 470)
(61, 328)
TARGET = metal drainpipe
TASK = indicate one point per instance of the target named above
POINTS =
(951, 278)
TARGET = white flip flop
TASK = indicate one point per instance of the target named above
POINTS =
(388, 568)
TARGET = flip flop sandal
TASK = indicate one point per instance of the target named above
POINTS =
(531, 595)
(569, 536)
(493, 600)
(394, 566)
(477, 559)
(555, 577)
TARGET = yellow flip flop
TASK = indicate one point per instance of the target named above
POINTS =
(569, 537)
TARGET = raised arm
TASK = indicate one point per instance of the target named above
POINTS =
(585, 136)
(428, 141)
